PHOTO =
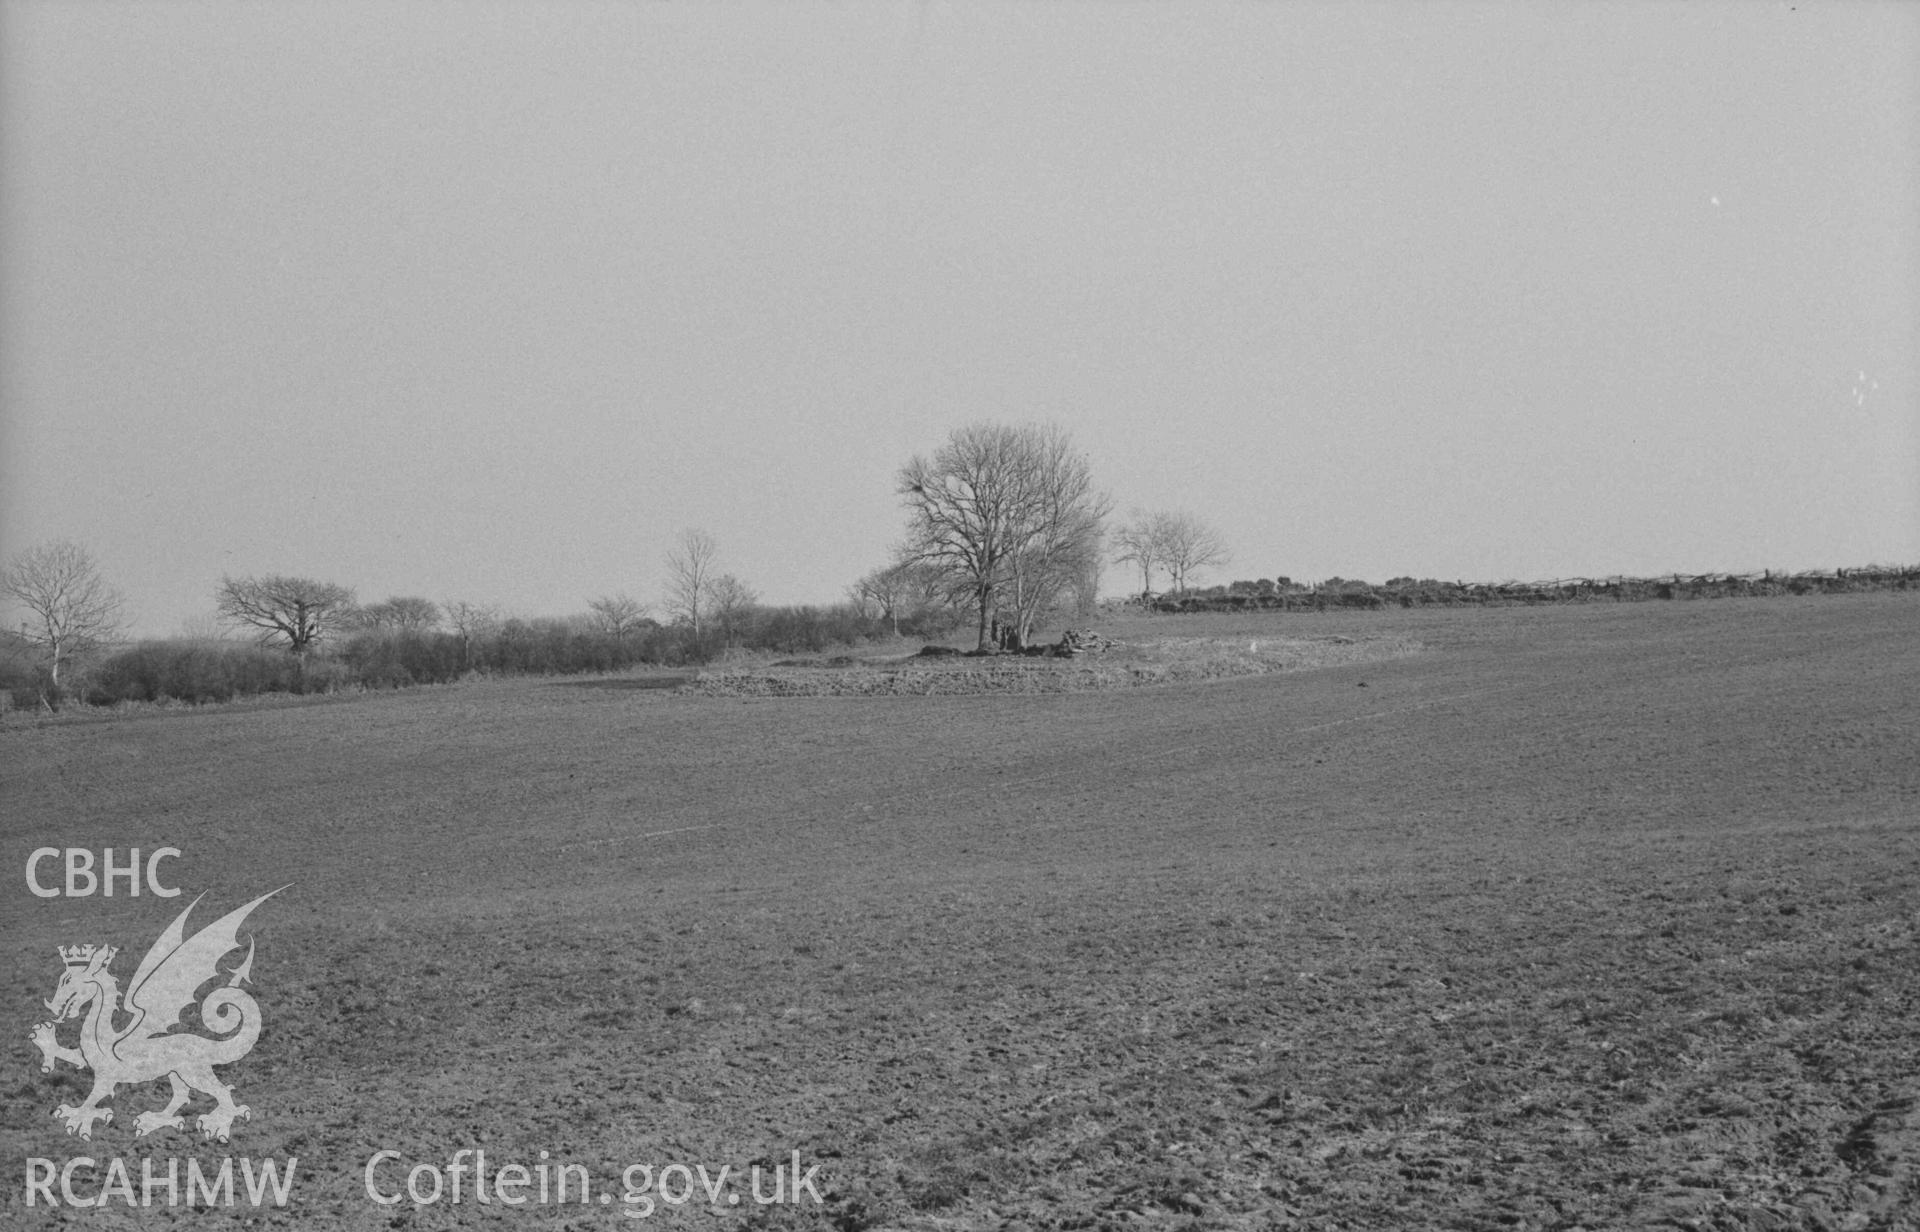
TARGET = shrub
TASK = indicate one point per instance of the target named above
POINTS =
(197, 671)
(24, 686)
(392, 660)
(792, 630)
(563, 647)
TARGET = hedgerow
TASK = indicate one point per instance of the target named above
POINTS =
(212, 670)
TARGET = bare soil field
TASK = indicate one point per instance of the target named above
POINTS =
(1587, 917)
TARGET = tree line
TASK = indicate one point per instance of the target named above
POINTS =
(1005, 530)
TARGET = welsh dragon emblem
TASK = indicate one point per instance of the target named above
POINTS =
(154, 1043)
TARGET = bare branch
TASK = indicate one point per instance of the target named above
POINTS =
(471, 620)
(618, 615)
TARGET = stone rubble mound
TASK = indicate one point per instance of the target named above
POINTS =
(1083, 641)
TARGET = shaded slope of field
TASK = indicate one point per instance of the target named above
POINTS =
(1595, 917)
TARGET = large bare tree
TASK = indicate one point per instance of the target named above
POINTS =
(298, 609)
(1001, 509)
(71, 607)
(690, 573)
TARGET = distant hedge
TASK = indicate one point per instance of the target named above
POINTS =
(1282, 594)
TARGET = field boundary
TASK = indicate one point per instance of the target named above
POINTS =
(1284, 595)
(1159, 661)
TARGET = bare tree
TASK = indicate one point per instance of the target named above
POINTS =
(882, 592)
(905, 588)
(72, 609)
(618, 615)
(998, 509)
(1066, 533)
(730, 600)
(690, 567)
(1137, 543)
(297, 609)
(468, 621)
(871, 595)
(402, 614)
(412, 614)
(1184, 544)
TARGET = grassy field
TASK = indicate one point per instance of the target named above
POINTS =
(1584, 917)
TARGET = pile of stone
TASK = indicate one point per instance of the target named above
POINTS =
(1083, 641)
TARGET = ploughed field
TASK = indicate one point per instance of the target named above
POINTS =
(1598, 916)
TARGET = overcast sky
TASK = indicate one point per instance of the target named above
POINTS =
(490, 300)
